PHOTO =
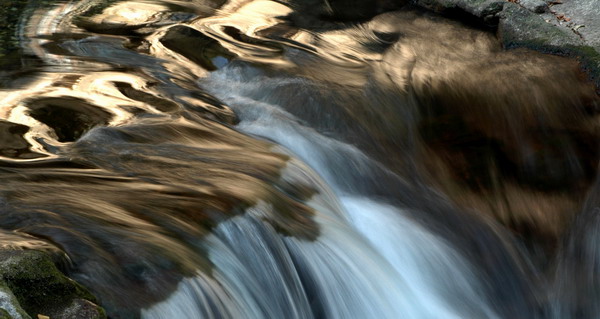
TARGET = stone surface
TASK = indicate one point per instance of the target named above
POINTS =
(39, 287)
(485, 9)
(582, 16)
(81, 308)
(10, 305)
(195, 46)
(537, 6)
(4, 314)
(519, 27)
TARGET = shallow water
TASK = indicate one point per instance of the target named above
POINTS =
(271, 159)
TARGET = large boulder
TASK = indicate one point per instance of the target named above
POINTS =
(31, 285)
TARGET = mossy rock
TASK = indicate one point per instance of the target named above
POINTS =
(9, 305)
(10, 11)
(41, 288)
(590, 61)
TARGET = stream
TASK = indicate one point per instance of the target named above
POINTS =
(299, 159)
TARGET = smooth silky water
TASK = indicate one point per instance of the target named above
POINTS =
(298, 159)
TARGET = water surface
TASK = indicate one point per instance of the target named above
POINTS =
(278, 159)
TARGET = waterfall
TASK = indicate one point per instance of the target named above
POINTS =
(295, 159)
(369, 261)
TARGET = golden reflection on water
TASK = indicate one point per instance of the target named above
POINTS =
(509, 136)
(509, 98)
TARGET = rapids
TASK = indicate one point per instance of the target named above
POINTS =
(298, 159)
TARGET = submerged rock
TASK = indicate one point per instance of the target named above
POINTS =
(13, 143)
(195, 46)
(69, 117)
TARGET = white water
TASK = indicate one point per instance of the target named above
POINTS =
(370, 260)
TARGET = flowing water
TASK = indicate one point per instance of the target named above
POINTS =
(298, 159)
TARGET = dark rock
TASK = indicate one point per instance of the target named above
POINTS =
(537, 6)
(195, 46)
(69, 117)
(13, 143)
(41, 288)
(9, 305)
(4, 314)
(9, 43)
(590, 61)
(358, 10)
(160, 104)
(484, 9)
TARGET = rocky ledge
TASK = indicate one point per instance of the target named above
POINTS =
(31, 285)
(563, 27)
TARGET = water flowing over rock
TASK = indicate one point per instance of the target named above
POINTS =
(298, 159)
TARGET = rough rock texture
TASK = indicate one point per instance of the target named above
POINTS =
(520, 27)
(582, 15)
(9, 305)
(537, 6)
(484, 9)
(81, 308)
(31, 285)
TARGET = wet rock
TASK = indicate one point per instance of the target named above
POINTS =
(13, 143)
(195, 46)
(160, 104)
(486, 10)
(9, 305)
(69, 117)
(353, 10)
(4, 314)
(11, 15)
(41, 289)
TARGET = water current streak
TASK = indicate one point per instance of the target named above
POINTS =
(298, 159)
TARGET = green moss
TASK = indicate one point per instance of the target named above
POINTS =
(4, 314)
(11, 304)
(37, 284)
(590, 61)
(10, 11)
